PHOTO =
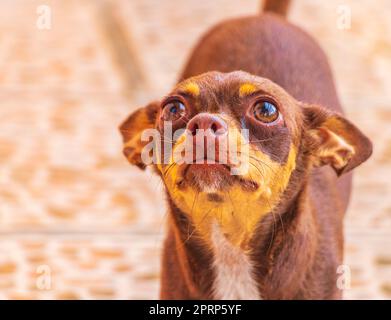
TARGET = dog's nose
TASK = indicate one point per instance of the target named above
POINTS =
(211, 124)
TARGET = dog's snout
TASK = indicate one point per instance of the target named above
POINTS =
(210, 123)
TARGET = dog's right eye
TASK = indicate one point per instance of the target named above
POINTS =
(173, 110)
(265, 111)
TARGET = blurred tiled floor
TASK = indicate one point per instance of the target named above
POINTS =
(75, 220)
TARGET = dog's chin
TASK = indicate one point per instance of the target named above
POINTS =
(208, 177)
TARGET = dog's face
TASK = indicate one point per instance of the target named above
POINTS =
(230, 143)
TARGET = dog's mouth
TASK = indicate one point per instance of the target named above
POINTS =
(210, 176)
(206, 164)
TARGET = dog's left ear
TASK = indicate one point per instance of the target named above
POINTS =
(333, 140)
(132, 129)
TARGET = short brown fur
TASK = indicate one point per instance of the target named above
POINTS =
(296, 254)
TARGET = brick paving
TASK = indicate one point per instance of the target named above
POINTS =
(76, 222)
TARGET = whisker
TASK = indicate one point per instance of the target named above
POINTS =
(282, 224)
(257, 160)
(273, 232)
(258, 140)
(232, 203)
(262, 176)
(165, 173)
(202, 220)
(194, 201)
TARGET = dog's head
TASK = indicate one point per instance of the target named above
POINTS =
(227, 144)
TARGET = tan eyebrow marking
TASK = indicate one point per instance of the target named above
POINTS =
(191, 88)
(247, 89)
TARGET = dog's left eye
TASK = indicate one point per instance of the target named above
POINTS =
(173, 110)
(265, 111)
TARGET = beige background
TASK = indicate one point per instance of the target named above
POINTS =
(73, 212)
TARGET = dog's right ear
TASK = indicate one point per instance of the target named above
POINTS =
(132, 128)
(334, 140)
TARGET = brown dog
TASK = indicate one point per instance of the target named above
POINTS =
(275, 231)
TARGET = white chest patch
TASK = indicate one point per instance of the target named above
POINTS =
(233, 270)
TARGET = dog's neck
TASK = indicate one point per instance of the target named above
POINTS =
(270, 264)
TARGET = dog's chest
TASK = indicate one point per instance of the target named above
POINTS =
(234, 276)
